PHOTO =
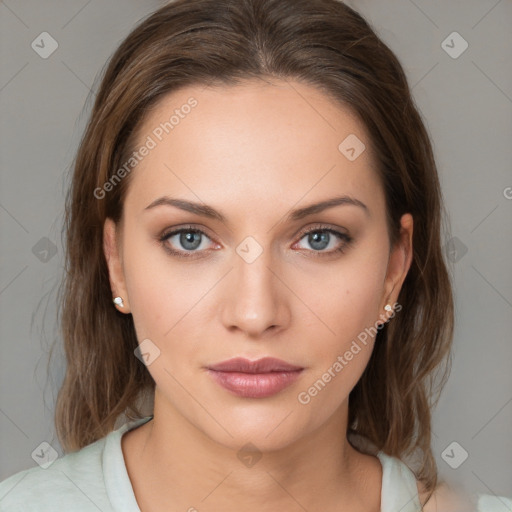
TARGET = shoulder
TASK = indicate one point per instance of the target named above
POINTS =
(488, 503)
(72, 482)
(447, 499)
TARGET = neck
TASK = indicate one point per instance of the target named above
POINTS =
(173, 462)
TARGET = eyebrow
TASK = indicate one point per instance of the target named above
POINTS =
(298, 214)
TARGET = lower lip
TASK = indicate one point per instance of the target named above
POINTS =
(255, 385)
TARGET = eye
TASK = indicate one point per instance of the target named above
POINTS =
(187, 240)
(320, 238)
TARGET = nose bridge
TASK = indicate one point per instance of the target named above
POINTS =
(255, 296)
(252, 265)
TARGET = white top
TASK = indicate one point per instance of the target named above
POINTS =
(95, 479)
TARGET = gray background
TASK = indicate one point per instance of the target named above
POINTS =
(467, 106)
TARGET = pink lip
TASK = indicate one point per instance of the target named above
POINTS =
(264, 365)
(255, 379)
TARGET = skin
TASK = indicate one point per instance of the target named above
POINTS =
(253, 152)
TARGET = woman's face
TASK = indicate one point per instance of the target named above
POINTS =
(248, 281)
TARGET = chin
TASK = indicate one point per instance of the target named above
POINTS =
(269, 430)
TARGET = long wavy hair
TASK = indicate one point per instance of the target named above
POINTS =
(322, 43)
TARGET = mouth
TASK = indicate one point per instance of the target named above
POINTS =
(255, 379)
(263, 365)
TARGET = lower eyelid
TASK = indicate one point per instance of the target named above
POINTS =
(164, 238)
(343, 237)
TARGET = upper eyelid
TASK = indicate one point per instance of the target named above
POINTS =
(192, 227)
(301, 233)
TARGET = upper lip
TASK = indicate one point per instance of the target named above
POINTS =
(264, 365)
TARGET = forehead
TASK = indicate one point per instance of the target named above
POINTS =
(256, 141)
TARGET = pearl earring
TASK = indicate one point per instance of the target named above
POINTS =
(388, 307)
(118, 301)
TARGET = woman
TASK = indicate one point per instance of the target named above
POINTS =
(253, 245)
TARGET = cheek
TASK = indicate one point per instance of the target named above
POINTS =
(361, 298)
(350, 308)
(163, 300)
(168, 303)
(350, 300)
(366, 280)
(152, 284)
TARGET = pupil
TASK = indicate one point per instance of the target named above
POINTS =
(319, 238)
(188, 238)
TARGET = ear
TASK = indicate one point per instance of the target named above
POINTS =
(400, 260)
(114, 262)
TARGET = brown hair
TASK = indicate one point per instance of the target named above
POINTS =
(323, 43)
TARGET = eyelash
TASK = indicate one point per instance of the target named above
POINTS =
(320, 229)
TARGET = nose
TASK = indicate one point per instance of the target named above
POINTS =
(255, 298)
